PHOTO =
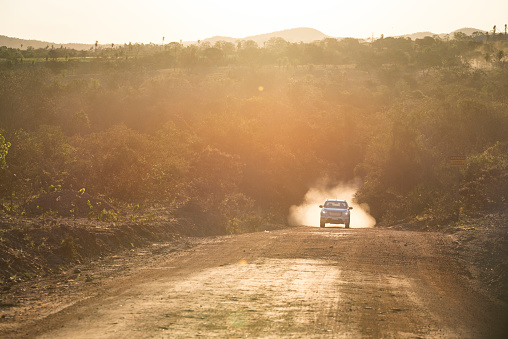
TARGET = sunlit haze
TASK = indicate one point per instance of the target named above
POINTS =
(115, 21)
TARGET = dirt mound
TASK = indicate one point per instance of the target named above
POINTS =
(31, 247)
(67, 203)
(481, 243)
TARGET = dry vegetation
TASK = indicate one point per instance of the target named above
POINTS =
(234, 135)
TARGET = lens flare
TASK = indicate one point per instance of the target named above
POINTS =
(308, 212)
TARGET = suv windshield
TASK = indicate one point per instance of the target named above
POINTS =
(335, 204)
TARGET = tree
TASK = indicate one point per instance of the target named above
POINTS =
(276, 48)
(500, 55)
(215, 175)
(249, 51)
(461, 36)
(214, 55)
(4, 148)
(477, 34)
(53, 54)
(227, 48)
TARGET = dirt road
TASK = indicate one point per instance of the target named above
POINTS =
(301, 282)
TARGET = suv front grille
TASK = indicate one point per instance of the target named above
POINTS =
(335, 214)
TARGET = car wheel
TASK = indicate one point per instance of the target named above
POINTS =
(321, 224)
(347, 225)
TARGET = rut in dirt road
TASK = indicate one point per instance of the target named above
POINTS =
(300, 282)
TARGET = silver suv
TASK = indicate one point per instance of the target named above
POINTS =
(335, 212)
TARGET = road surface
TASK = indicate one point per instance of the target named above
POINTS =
(302, 282)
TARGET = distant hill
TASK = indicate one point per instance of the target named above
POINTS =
(16, 43)
(302, 34)
(292, 35)
(213, 40)
(468, 31)
(421, 35)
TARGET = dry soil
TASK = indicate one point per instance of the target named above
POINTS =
(302, 282)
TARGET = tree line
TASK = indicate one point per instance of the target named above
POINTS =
(242, 131)
(421, 53)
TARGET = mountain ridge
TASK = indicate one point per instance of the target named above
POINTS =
(421, 35)
(292, 35)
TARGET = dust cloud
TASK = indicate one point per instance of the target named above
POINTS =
(308, 212)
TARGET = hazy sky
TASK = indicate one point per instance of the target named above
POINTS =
(121, 21)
